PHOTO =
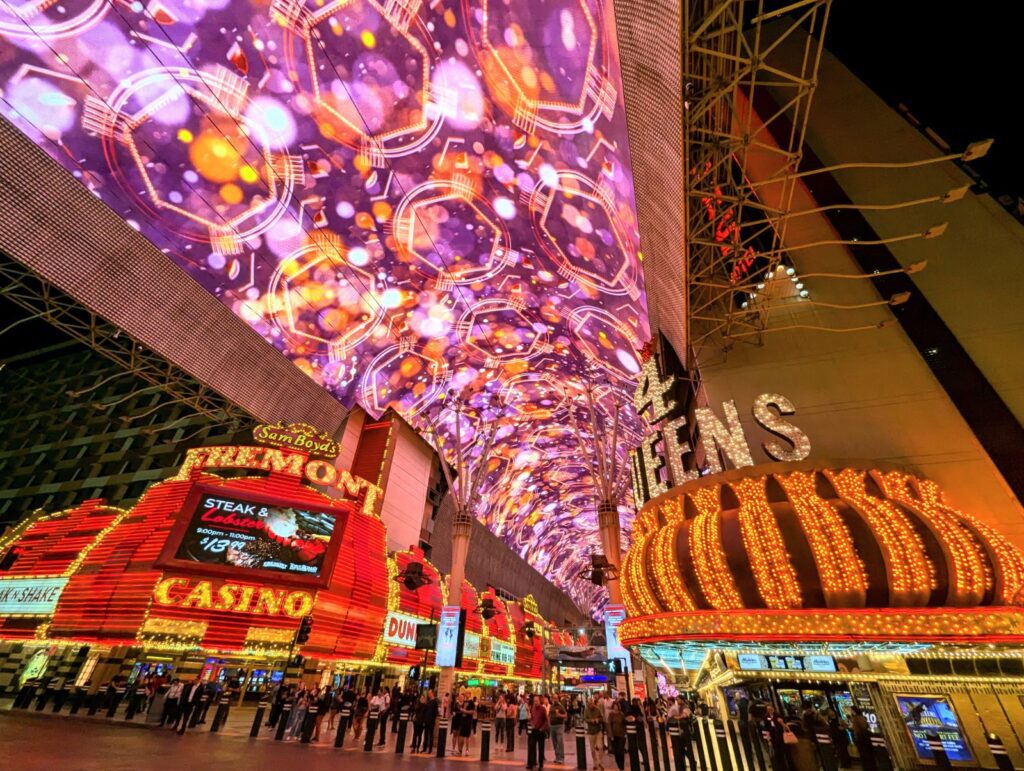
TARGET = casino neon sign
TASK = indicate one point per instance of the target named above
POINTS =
(179, 592)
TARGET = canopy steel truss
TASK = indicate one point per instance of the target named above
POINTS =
(44, 301)
(733, 226)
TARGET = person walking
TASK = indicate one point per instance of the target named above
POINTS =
(298, 715)
(418, 714)
(557, 716)
(617, 731)
(524, 714)
(171, 702)
(862, 739)
(381, 700)
(511, 711)
(538, 731)
(429, 719)
(189, 702)
(593, 717)
(359, 716)
(499, 722)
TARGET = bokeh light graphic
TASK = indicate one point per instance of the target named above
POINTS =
(404, 197)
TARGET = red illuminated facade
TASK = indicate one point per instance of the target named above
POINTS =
(127, 581)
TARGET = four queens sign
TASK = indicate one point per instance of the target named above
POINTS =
(30, 596)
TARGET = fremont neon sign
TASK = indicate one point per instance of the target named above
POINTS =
(180, 592)
(297, 464)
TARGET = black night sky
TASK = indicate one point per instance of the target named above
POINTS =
(955, 65)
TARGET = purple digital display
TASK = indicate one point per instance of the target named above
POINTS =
(404, 197)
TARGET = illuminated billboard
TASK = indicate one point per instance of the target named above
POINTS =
(227, 532)
(401, 197)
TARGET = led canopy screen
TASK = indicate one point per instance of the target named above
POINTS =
(403, 197)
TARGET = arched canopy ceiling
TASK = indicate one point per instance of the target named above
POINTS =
(403, 197)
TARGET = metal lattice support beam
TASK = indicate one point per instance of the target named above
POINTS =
(732, 225)
(44, 301)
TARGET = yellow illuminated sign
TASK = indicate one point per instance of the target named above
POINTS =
(181, 592)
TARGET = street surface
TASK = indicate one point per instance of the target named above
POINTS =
(38, 741)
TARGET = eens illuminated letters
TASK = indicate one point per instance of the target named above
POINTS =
(233, 598)
(658, 398)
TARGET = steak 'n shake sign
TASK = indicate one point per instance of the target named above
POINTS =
(30, 596)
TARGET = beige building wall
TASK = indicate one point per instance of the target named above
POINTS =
(869, 394)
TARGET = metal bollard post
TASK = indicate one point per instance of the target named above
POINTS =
(826, 751)
(282, 721)
(129, 711)
(308, 723)
(675, 734)
(663, 743)
(257, 721)
(220, 717)
(631, 744)
(116, 701)
(339, 738)
(22, 700)
(442, 737)
(403, 728)
(371, 728)
(882, 757)
(581, 748)
(94, 704)
(998, 750)
(723, 744)
(642, 743)
(61, 696)
(938, 751)
(485, 741)
(44, 696)
(510, 736)
(76, 700)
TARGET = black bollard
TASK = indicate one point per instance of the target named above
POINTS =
(632, 745)
(882, 757)
(94, 704)
(220, 717)
(826, 751)
(938, 751)
(76, 700)
(309, 722)
(581, 748)
(371, 728)
(24, 697)
(339, 738)
(115, 701)
(282, 721)
(442, 737)
(675, 735)
(663, 743)
(485, 741)
(258, 720)
(44, 696)
(129, 711)
(60, 697)
(655, 755)
(723, 745)
(510, 736)
(531, 748)
(403, 728)
(998, 750)
(642, 743)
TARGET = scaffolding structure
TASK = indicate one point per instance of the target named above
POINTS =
(733, 227)
(44, 301)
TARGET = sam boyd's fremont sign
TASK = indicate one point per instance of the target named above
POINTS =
(297, 436)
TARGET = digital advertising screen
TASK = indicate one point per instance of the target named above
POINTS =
(448, 634)
(933, 717)
(228, 532)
